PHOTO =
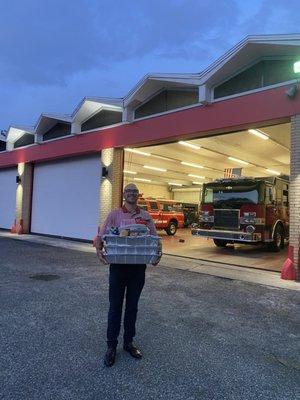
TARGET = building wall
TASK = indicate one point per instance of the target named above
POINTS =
(167, 100)
(59, 130)
(102, 118)
(149, 190)
(295, 187)
(2, 145)
(187, 196)
(24, 140)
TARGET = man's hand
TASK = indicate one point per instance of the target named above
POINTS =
(158, 259)
(99, 249)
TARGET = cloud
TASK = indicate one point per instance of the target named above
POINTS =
(54, 52)
(46, 41)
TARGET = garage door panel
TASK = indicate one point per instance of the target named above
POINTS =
(66, 198)
(7, 197)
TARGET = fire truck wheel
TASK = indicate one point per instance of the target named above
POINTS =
(220, 242)
(171, 228)
(278, 239)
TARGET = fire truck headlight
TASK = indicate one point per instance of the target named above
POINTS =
(250, 229)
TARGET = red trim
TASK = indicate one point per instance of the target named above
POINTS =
(266, 107)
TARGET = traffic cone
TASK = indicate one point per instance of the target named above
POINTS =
(21, 229)
(288, 271)
(14, 227)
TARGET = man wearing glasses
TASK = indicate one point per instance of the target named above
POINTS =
(125, 277)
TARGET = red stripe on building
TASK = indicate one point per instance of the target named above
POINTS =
(261, 108)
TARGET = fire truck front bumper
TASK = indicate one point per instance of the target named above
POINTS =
(234, 236)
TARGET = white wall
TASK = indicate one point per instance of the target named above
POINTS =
(66, 197)
(8, 188)
(187, 195)
(150, 190)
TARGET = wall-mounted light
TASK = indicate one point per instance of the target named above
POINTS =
(104, 172)
(18, 179)
(297, 67)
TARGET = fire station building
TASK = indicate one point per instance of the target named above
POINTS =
(170, 134)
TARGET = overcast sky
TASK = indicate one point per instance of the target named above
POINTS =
(55, 52)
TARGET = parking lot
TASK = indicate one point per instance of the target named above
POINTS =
(203, 337)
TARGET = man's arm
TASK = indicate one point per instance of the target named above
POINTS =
(99, 239)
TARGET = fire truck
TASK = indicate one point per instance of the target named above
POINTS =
(245, 210)
(166, 214)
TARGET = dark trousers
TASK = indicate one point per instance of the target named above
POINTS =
(130, 279)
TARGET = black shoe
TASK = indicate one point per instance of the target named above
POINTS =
(132, 350)
(110, 357)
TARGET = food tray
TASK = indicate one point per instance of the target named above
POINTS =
(131, 250)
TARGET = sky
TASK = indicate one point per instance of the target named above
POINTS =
(55, 52)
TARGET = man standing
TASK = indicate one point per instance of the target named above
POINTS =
(124, 277)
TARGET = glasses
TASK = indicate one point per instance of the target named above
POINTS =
(131, 191)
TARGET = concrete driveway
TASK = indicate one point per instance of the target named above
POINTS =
(203, 337)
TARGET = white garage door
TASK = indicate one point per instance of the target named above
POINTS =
(8, 188)
(66, 197)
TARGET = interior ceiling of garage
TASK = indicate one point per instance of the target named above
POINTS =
(212, 155)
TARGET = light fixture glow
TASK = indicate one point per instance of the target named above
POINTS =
(174, 184)
(273, 172)
(191, 164)
(130, 172)
(197, 183)
(154, 168)
(297, 67)
(142, 180)
(142, 153)
(258, 133)
(238, 161)
(192, 146)
(196, 176)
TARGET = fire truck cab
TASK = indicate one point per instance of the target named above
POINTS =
(245, 210)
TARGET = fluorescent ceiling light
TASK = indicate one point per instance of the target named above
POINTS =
(174, 184)
(130, 172)
(297, 67)
(238, 161)
(273, 172)
(191, 164)
(142, 153)
(196, 176)
(154, 168)
(142, 179)
(192, 146)
(197, 183)
(258, 133)
(163, 158)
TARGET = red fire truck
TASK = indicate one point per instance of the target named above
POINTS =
(166, 214)
(245, 210)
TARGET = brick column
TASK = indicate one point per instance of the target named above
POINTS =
(291, 266)
(23, 198)
(111, 188)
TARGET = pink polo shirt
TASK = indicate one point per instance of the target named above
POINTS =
(121, 217)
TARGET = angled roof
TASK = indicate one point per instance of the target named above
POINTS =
(46, 121)
(249, 50)
(154, 82)
(14, 132)
(91, 105)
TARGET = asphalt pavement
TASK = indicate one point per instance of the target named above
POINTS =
(203, 337)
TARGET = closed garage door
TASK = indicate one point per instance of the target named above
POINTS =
(66, 197)
(7, 197)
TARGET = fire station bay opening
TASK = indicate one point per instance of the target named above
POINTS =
(219, 198)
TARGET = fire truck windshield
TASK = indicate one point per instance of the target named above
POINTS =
(231, 195)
